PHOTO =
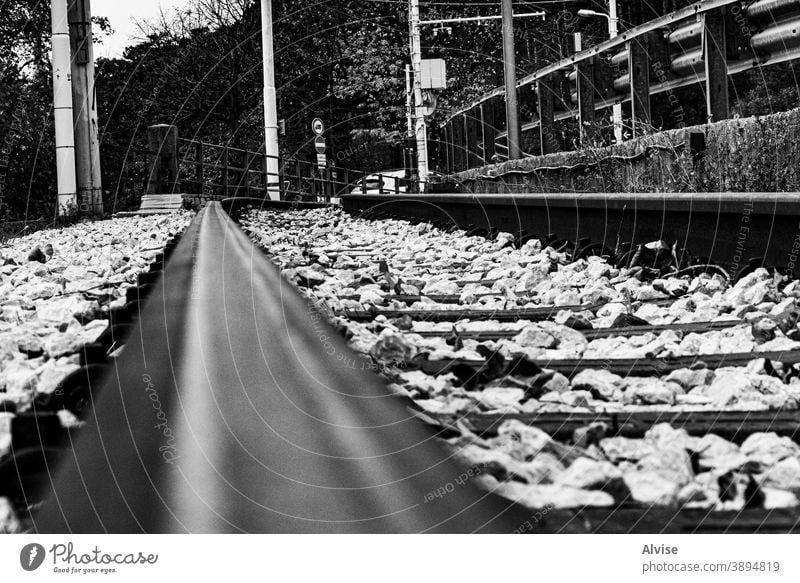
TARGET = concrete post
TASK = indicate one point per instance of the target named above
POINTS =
(639, 69)
(716, 66)
(586, 111)
(546, 106)
(84, 97)
(162, 141)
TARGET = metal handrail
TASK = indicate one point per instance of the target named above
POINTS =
(295, 177)
(619, 41)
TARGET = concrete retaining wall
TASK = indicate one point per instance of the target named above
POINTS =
(758, 154)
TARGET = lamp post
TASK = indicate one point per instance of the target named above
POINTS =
(613, 31)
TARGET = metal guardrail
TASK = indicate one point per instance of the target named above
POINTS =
(705, 42)
(169, 164)
(222, 171)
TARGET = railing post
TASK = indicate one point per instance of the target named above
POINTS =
(471, 126)
(459, 152)
(716, 66)
(199, 166)
(586, 113)
(162, 141)
(264, 177)
(299, 175)
(363, 183)
(246, 159)
(545, 89)
(639, 70)
(328, 182)
(281, 178)
(448, 136)
(489, 132)
(225, 172)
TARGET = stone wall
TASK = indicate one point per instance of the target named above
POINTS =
(759, 154)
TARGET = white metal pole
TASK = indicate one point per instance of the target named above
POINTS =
(409, 103)
(62, 109)
(613, 31)
(270, 103)
(420, 128)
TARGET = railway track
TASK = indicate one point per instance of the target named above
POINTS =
(234, 406)
(475, 420)
(224, 414)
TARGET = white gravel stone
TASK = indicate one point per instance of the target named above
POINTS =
(651, 488)
(769, 448)
(545, 468)
(784, 475)
(538, 497)
(779, 499)
(619, 449)
(5, 433)
(501, 399)
(650, 391)
(672, 464)
(589, 474)
(9, 523)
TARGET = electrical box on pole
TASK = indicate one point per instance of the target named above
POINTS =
(433, 73)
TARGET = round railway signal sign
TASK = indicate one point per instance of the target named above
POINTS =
(318, 126)
(319, 144)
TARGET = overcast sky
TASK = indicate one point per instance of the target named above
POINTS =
(121, 14)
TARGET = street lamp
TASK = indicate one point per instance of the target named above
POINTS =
(613, 31)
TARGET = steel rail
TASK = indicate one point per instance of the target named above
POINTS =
(710, 225)
(625, 367)
(235, 408)
(590, 334)
(733, 425)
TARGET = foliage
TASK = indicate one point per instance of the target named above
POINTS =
(200, 68)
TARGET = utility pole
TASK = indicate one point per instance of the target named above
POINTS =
(512, 109)
(408, 142)
(270, 103)
(62, 109)
(84, 114)
(420, 127)
(510, 75)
